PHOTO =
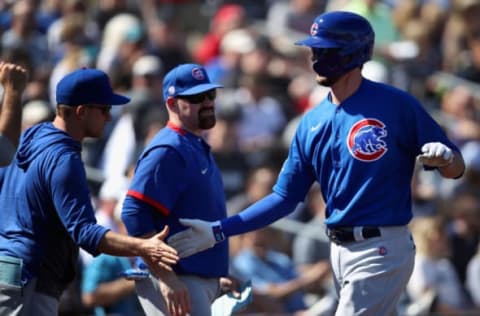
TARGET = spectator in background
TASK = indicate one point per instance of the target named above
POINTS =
(36, 87)
(127, 138)
(166, 34)
(227, 18)
(472, 278)
(472, 171)
(380, 17)
(73, 40)
(460, 113)
(23, 33)
(13, 79)
(262, 117)
(106, 291)
(463, 229)
(417, 55)
(36, 111)
(225, 67)
(258, 185)
(277, 285)
(108, 9)
(120, 28)
(433, 271)
(467, 63)
(291, 18)
(87, 33)
(223, 140)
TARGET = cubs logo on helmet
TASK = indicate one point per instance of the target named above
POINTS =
(365, 140)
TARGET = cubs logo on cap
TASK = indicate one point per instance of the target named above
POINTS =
(197, 73)
(187, 79)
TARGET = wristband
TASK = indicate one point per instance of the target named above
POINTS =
(218, 232)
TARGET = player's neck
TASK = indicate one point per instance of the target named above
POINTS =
(346, 86)
(69, 128)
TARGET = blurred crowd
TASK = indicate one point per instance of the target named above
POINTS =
(430, 48)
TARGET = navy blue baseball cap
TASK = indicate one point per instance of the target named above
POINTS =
(187, 79)
(87, 86)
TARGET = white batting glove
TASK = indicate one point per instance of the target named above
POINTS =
(200, 236)
(436, 155)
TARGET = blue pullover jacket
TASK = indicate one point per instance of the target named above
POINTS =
(45, 206)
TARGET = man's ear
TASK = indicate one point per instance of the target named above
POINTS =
(171, 104)
(80, 111)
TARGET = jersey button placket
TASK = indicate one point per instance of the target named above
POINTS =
(336, 139)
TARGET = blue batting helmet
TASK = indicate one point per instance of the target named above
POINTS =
(340, 41)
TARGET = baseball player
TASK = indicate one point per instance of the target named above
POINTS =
(360, 143)
(176, 176)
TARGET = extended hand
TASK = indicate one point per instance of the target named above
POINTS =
(436, 155)
(194, 239)
(157, 251)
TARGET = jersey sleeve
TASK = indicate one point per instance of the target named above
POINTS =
(158, 181)
(428, 129)
(296, 176)
(72, 201)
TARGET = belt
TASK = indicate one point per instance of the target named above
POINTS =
(340, 235)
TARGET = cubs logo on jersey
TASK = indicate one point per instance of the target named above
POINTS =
(365, 140)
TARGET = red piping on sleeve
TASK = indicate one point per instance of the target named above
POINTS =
(142, 197)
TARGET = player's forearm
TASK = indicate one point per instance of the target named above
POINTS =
(109, 293)
(260, 214)
(121, 245)
(11, 115)
(455, 169)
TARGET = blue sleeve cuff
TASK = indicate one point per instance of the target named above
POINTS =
(96, 234)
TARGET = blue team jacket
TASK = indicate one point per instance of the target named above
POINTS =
(46, 206)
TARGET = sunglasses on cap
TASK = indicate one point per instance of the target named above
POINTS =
(200, 97)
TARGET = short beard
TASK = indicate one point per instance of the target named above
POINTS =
(206, 121)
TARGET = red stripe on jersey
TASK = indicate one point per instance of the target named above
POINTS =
(152, 202)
